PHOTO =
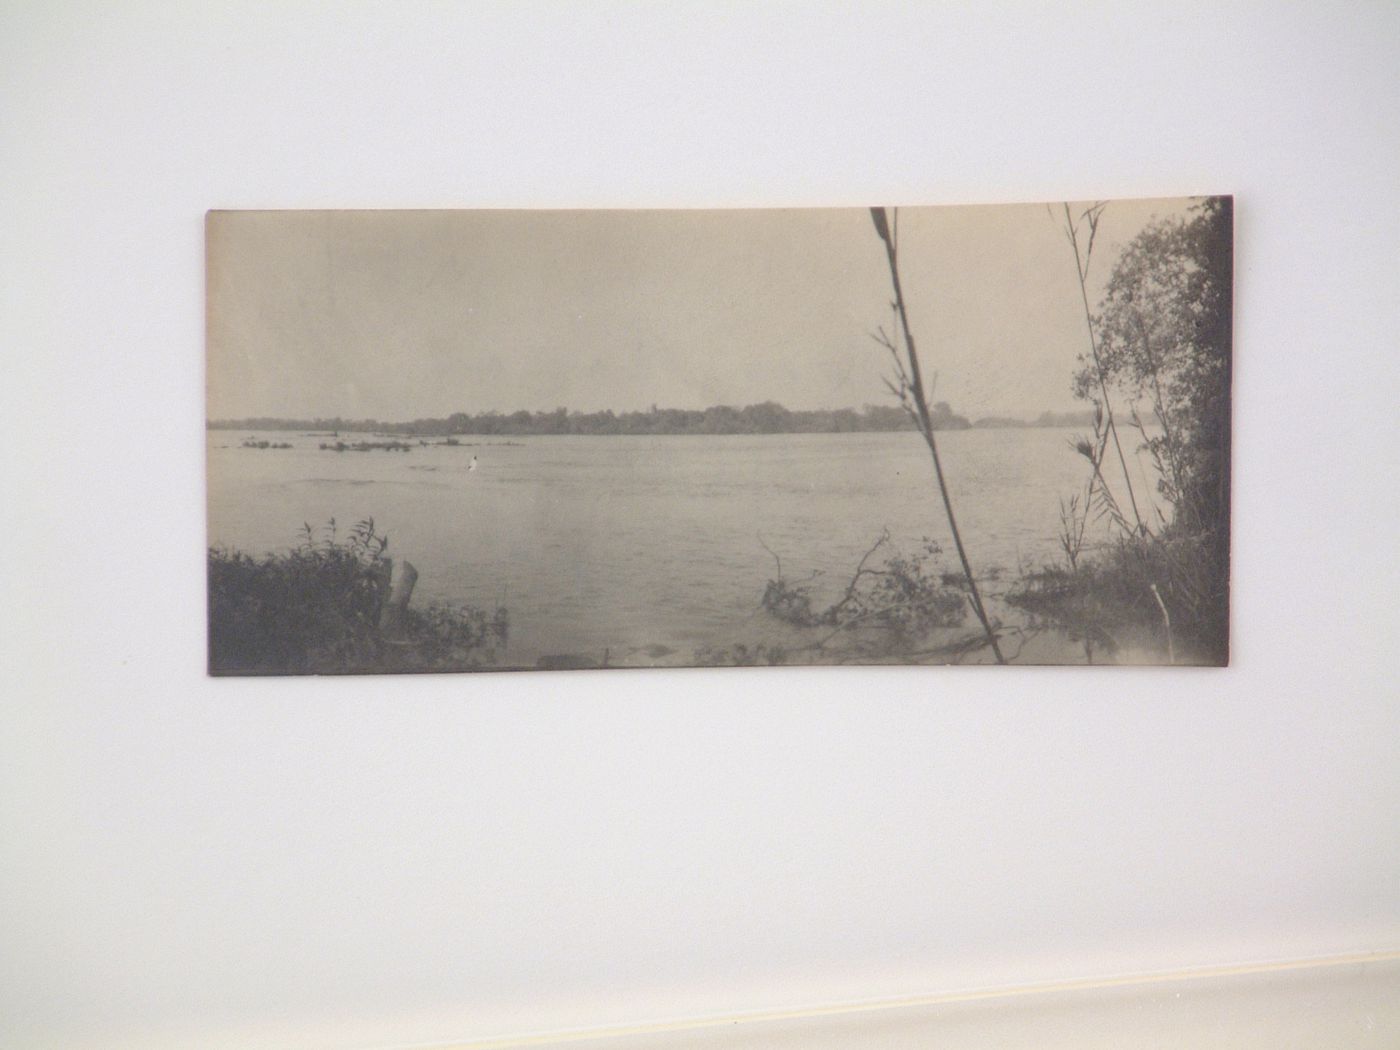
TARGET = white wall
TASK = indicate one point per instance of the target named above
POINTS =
(1340, 1003)
(385, 862)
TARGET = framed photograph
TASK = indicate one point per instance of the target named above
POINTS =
(474, 440)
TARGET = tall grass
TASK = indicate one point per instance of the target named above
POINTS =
(1087, 226)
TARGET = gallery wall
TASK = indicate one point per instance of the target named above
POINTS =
(389, 862)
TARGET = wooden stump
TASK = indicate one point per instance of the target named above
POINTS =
(402, 578)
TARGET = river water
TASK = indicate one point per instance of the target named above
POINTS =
(649, 547)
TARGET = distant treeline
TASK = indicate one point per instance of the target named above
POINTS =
(768, 417)
(1045, 419)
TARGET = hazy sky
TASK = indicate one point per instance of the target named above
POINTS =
(399, 315)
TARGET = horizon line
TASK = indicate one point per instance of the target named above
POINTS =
(1020, 415)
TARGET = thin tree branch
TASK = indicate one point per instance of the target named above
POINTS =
(916, 392)
(771, 551)
(1081, 271)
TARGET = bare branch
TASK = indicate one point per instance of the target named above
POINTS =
(771, 551)
(861, 570)
(915, 386)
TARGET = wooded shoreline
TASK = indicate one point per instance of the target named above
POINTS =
(767, 417)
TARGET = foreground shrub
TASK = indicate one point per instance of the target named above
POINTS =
(888, 611)
(317, 609)
(903, 597)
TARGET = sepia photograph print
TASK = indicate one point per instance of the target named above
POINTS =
(544, 440)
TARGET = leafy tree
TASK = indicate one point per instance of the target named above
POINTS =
(1165, 338)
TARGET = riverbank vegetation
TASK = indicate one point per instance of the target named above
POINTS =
(890, 604)
(334, 604)
(1159, 348)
